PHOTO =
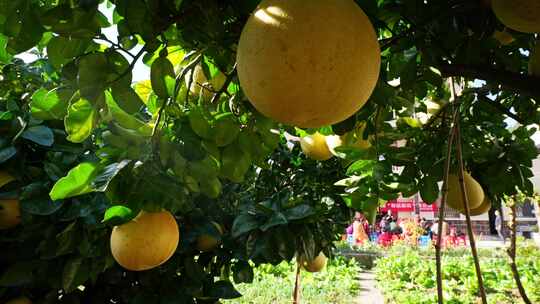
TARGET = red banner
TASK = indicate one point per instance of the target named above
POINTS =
(408, 206)
(398, 206)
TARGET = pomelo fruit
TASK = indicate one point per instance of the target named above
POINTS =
(503, 37)
(520, 15)
(315, 265)
(145, 242)
(199, 82)
(207, 242)
(483, 208)
(20, 300)
(475, 194)
(314, 146)
(10, 213)
(308, 63)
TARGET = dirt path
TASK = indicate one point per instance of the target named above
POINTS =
(369, 294)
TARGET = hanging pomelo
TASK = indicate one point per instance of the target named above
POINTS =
(10, 213)
(483, 208)
(145, 242)
(207, 242)
(475, 194)
(519, 15)
(315, 265)
(308, 63)
(20, 300)
(201, 85)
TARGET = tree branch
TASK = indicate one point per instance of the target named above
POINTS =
(520, 83)
(225, 85)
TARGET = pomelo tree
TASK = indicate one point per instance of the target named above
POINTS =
(84, 148)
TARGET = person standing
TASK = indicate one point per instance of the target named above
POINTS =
(499, 225)
(359, 234)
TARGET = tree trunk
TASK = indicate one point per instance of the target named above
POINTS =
(512, 254)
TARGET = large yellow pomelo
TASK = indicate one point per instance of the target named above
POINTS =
(314, 146)
(475, 194)
(483, 208)
(20, 300)
(534, 60)
(147, 241)
(519, 15)
(199, 82)
(308, 63)
(10, 213)
(315, 265)
(206, 242)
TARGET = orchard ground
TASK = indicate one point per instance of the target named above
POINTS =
(350, 277)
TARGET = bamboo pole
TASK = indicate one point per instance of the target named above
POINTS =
(465, 199)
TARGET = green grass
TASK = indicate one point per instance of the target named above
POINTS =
(337, 283)
(407, 276)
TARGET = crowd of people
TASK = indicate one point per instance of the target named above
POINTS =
(414, 231)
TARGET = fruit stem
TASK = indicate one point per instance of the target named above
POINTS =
(466, 204)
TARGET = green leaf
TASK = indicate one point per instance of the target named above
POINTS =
(210, 187)
(35, 200)
(102, 180)
(299, 212)
(7, 153)
(225, 131)
(124, 119)
(118, 215)
(75, 273)
(40, 134)
(17, 274)
(61, 50)
(5, 57)
(199, 124)
(235, 163)
(52, 104)
(80, 120)
(78, 181)
(429, 190)
(127, 98)
(162, 77)
(276, 219)
(360, 167)
(244, 223)
(97, 71)
(30, 32)
(68, 239)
